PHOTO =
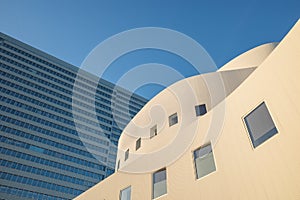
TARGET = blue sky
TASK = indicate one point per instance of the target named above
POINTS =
(69, 29)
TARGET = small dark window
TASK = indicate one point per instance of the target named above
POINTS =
(173, 119)
(126, 154)
(200, 110)
(138, 144)
(260, 125)
(153, 131)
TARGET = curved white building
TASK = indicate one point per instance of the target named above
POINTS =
(230, 134)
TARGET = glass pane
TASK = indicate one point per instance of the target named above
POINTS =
(160, 188)
(204, 161)
(260, 125)
(127, 154)
(138, 144)
(203, 151)
(200, 110)
(159, 176)
(173, 119)
(153, 131)
(125, 194)
(159, 183)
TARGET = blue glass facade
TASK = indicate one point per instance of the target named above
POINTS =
(42, 155)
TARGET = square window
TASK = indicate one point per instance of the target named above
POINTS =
(200, 110)
(204, 161)
(153, 131)
(138, 143)
(126, 154)
(159, 183)
(260, 125)
(125, 194)
(173, 119)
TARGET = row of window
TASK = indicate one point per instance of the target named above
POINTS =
(204, 165)
(34, 74)
(51, 124)
(50, 142)
(259, 125)
(47, 173)
(52, 93)
(52, 116)
(31, 76)
(173, 119)
(71, 80)
(104, 127)
(121, 104)
(54, 134)
(47, 83)
(38, 60)
(62, 84)
(33, 101)
(31, 127)
(135, 99)
(39, 183)
(101, 105)
(27, 194)
(63, 70)
(67, 98)
(56, 109)
(65, 129)
(50, 163)
(54, 154)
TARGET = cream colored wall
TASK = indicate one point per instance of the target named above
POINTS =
(270, 171)
(251, 58)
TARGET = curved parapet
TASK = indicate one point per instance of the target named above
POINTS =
(150, 141)
(230, 134)
(251, 58)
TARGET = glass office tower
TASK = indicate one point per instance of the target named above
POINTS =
(42, 154)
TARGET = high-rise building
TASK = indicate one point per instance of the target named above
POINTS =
(229, 134)
(51, 145)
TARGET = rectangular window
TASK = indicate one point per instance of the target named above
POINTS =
(153, 131)
(118, 164)
(138, 143)
(35, 148)
(200, 110)
(260, 125)
(159, 183)
(126, 154)
(204, 161)
(125, 194)
(173, 119)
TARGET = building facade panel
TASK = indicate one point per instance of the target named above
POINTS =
(42, 153)
(233, 168)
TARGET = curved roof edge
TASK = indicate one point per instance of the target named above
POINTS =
(251, 58)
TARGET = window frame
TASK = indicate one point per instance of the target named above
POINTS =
(152, 184)
(199, 106)
(194, 160)
(126, 157)
(249, 135)
(172, 116)
(154, 130)
(138, 141)
(125, 188)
